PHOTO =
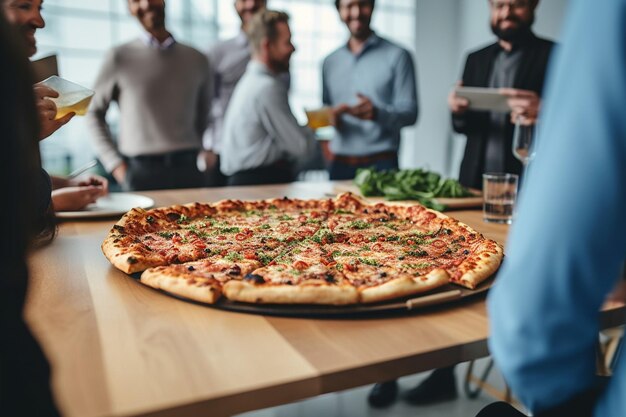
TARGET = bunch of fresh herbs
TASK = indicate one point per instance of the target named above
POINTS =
(409, 184)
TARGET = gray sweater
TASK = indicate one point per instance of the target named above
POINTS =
(163, 96)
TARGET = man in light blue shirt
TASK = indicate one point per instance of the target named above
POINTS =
(370, 84)
(568, 244)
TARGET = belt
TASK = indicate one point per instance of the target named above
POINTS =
(366, 159)
(168, 159)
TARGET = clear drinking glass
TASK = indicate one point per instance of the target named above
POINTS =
(523, 136)
(499, 195)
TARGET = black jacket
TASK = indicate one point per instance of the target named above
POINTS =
(476, 124)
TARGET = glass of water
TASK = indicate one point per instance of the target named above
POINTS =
(499, 195)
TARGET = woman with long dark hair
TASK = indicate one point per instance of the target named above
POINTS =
(24, 371)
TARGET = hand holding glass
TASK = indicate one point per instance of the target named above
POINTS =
(72, 97)
(319, 118)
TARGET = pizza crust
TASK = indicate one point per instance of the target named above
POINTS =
(480, 266)
(404, 286)
(290, 294)
(197, 290)
(125, 261)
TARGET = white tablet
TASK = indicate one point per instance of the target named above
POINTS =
(484, 98)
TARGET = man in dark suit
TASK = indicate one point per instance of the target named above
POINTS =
(516, 63)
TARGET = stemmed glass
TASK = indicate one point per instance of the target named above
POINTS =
(523, 135)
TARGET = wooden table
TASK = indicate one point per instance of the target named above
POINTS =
(118, 348)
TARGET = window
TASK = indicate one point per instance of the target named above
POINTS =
(81, 32)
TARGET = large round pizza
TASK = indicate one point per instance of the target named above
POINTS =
(287, 251)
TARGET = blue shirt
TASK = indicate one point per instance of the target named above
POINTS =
(384, 73)
(568, 244)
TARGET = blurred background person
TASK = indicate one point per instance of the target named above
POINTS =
(369, 109)
(228, 60)
(67, 193)
(546, 348)
(516, 62)
(518, 59)
(162, 88)
(261, 137)
(24, 370)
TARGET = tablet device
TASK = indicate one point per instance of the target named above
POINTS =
(484, 98)
(45, 67)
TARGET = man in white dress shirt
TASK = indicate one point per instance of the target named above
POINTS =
(228, 59)
(261, 138)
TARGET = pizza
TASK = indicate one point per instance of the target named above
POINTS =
(338, 251)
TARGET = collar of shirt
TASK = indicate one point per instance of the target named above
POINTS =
(370, 42)
(152, 42)
(260, 68)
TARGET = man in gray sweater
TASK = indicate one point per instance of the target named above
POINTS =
(261, 137)
(162, 88)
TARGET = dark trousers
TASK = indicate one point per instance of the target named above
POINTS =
(581, 405)
(344, 167)
(161, 172)
(500, 409)
(213, 177)
(278, 173)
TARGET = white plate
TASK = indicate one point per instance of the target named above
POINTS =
(112, 204)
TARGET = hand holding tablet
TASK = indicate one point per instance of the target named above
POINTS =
(480, 98)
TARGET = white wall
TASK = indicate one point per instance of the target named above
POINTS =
(446, 31)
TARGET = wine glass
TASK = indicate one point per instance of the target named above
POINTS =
(523, 135)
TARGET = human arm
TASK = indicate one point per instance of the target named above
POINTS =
(106, 90)
(335, 110)
(403, 109)
(70, 194)
(567, 245)
(457, 104)
(524, 104)
(464, 120)
(204, 100)
(47, 111)
(280, 123)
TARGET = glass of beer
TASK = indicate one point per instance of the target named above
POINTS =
(319, 118)
(72, 97)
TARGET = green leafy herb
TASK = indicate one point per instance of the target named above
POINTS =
(409, 184)
(359, 224)
(233, 256)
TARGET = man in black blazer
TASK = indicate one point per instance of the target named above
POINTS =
(516, 63)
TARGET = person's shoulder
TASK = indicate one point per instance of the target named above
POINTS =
(192, 53)
(392, 53)
(544, 43)
(120, 53)
(392, 46)
(335, 55)
(482, 50)
(188, 49)
(224, 45)
(129, 47)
